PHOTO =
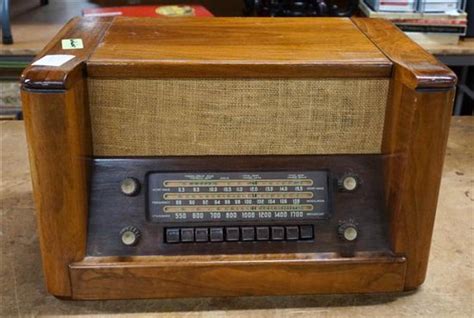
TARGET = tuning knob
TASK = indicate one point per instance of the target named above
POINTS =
(130, 235)
(348, 231)
(349, 182)
(130, 186)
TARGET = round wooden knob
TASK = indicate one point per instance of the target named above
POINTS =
(130, 235)
(348, 232)
(130, 186)
(349, 183)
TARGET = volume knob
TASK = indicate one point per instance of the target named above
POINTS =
(130, 186)
(349, 183)
(348, 232)
(130, 235)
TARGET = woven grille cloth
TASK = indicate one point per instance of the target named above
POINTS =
(164, 117)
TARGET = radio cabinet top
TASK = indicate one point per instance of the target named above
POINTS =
(124, 47)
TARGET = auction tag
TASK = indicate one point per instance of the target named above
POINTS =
(53, 60)
(72, 44)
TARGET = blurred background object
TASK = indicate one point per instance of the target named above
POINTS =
(470, 21)
(428, 22)
(300, 8)
(149, 11)
(219, 8)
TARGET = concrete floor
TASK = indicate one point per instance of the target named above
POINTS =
(448, 290)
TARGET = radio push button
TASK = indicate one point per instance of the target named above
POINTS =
(232, 234)
(306, 232)
(263, 233)
(217, 234)
(187, 235)
(248, 233)
(202, 234)
(172, 235)
(278, 233)
(292, 233)
(131, 235)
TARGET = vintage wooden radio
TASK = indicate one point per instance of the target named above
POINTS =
(235, 156)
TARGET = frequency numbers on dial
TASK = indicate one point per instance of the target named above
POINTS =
(237, 196)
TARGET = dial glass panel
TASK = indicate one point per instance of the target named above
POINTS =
(237, 196)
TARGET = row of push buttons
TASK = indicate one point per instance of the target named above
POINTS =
(235, 234)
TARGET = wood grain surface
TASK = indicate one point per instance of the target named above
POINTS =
(90, 30)
(415, 136)
(417, 128)
(58, 129)
(236, 47)
(234, 275)
(415, 67)
(464, 47)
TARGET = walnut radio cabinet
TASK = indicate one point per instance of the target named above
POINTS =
(196, 157)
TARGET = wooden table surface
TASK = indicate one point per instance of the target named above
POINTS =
(448, 290)
(464, 47)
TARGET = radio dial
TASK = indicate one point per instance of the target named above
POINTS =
(130, 235)
(130, 186)
(349, 183)
(348, 232)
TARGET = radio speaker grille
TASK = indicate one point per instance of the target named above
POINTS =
(168, 117)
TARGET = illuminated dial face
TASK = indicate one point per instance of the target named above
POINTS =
(176, 197)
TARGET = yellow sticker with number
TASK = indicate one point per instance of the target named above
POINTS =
(72, 44)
